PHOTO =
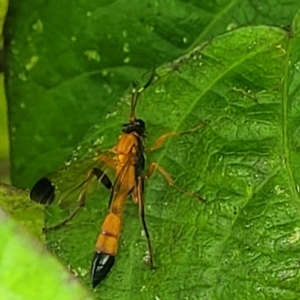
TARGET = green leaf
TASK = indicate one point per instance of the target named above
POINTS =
(28, 272)
(17, 203)
(244, 242)
(68, 62)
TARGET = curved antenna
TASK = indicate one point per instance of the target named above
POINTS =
(136, 94)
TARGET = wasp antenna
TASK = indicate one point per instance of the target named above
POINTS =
(152, 75)
(136, 93)
(134, 84)
(134, 99)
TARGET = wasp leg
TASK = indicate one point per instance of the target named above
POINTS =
(134, 195)
(169, 179)
(159, 142)
(102, 177)
(140, 188)
(136, 191)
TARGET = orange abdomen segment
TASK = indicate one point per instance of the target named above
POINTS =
(108, 239)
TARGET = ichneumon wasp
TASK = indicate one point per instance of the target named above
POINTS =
(127, 159)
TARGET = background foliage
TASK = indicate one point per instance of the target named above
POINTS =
(65, 77)
(76, 65)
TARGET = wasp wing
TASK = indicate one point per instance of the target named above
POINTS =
(62, 187)
(124, 182)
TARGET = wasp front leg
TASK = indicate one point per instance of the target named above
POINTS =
(159, 142)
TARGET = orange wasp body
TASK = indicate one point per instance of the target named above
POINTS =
(128, 161)
(129, 164)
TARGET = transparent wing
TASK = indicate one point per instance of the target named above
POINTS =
(124, 182)
(63, 186)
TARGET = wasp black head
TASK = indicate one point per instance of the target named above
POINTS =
(137, 126)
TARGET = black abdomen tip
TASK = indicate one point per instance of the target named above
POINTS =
(101, 265)
(43, 192)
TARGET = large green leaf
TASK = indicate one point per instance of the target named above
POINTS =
(68, 62)
(244, 242)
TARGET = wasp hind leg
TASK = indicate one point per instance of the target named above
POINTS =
(102, 177)
(140, 199)
(169, 179)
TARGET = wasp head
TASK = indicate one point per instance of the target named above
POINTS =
(138, 126)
